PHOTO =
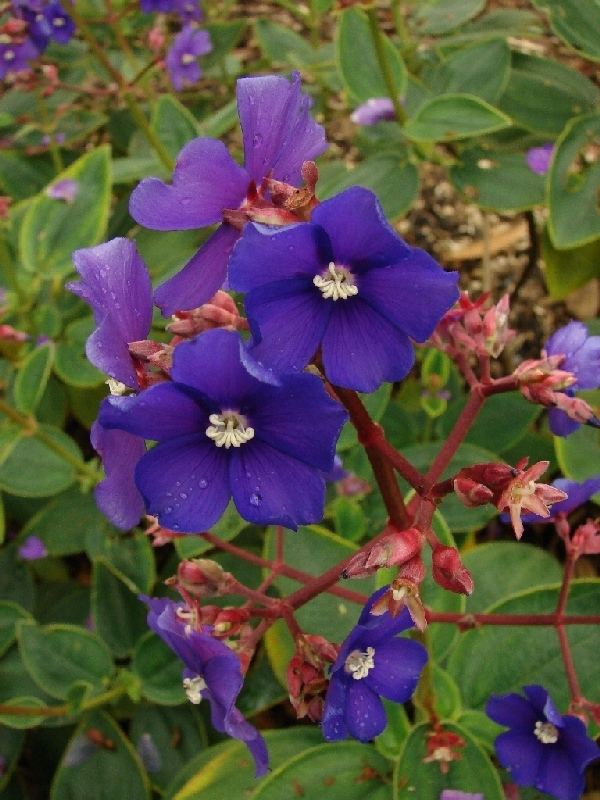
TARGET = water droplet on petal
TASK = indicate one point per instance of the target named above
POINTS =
(168, 509)
(257, 140)
(183, 495)
(255, 499)
(203, 484)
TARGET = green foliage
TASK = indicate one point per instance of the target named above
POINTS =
(576, 23)
(454, 116)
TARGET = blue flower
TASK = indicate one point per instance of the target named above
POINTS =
(223, 433)
(182, 57)
(212, 671)
(372, 663)
(542, 748)
(582, 358)
(374, 110)
(345, 283)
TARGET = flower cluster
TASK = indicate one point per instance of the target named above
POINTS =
(33, 24)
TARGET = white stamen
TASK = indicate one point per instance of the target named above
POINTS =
(194, 688)
(546, 732)
(336, 283)
(187, 58)
(399, 594)
(358, 664)
(58, 22)
(9, 55)
(229, 429)
(116, 388)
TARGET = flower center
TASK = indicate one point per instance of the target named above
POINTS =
(58, 22)
(229, 429)
(336, 283)
(546, 732)
(9, 55)
(187, 58)
(193, 688)
(358, 664)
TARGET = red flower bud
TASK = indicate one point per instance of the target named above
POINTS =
(449, 572)
(389, 551)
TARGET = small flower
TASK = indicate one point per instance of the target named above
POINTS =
(186, 9)
(345, 283)
(117, 286)
(374, 110)
(542, 748)
(222, 432)
(212, 671)
(576, 495)
(279, 136)
(66, 190)
(32, 549)
(16, 55)
(539, 158)
(582, 358)
(523, 492)
(182, 57)
(443, 747)
(372, 663)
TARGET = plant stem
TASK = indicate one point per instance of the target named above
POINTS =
(384, 64)
(63, 710)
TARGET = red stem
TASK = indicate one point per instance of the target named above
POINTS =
(563, 639)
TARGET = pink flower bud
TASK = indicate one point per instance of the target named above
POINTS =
(219, 312)
(389, 551)
(471, 493)
(586, 539)
(156, 38)
(449, 572)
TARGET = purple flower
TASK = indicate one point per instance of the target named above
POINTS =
(582, 358)
(456, 794)
(212, 671)
(182, 58)
(345, 282)
(539, 158)
(15, 57)
(64, 190)
(372, 663)
(578, 494)
(279, 135)
(46, 22)
(222, 432)
(542, 748)
(32, 549)
(117, 496)
(186, 9)
(117, 286)
(373, 111)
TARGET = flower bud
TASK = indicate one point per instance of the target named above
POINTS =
(201, 577)
(586, 539)
(306, 675)
(471, 493)
(219, 312)
(389, 551)
(449, 572)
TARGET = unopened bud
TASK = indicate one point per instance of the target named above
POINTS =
(471, 493)
(449, 572)
(306, 674)
(201, 577)
(389, 551)
(219, 312)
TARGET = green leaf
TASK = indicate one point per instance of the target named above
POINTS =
(20, 721)
(440, 16)
(131, 557)
(575, 185)
(22, 177)
(165, 252)
(106, 773)
(473, 772)
(58, 656)
(481, 728)
(389, 743)
(174, 125)
(176, 733)
(10, 614)
(532, 653)
(454, 116)
(226, 770)
(283, 45)
(52, 229)
(221, 121)
(159, 670)
(223, 36)
(393, 178)
(523, 567)
(11, 743)
(119, 616)
(261, 689)
(579, 453)
(349, 518)
(481, 70)
(543, 95)
(16, 583)
(363, 76)
(32, 377)
(496, 180)
(71, 363)
(576, 23)
(34, 470)
(340, 771)
(567, 270)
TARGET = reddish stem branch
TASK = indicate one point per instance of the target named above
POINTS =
(565, 649)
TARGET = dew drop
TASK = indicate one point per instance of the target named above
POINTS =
(203, 484)
(183, 495)
(168, 509)
(257, 140)
(255, 499)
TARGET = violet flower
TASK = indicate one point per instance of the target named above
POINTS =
(577, 495)
(15, 56)
(542, 748)
(187, 10)
(582, 358)
(212, 671)
(374, 110)
(279, 135)
(345, 282)
(117, 286)
(539, 158)
(222, 432)
(182, 57)
(456, 794)
(65, 189)
(32, 549)
(372, 663)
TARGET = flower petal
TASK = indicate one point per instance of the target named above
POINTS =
(201, 277)
(333, 723)
(398, 667)
(117, 495)
(264, 255)
(360, 234)
(512, 710)
(559, 776)
(279, 132)
(361, 349)
(265, 485)
(206, 180)
(164, 411)
(574, 738)
(184, 483)
(288, 320)
(365, 714)
(299, 419)
(560, 423)
(412, 294)
(522, 754)
(107, 350)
